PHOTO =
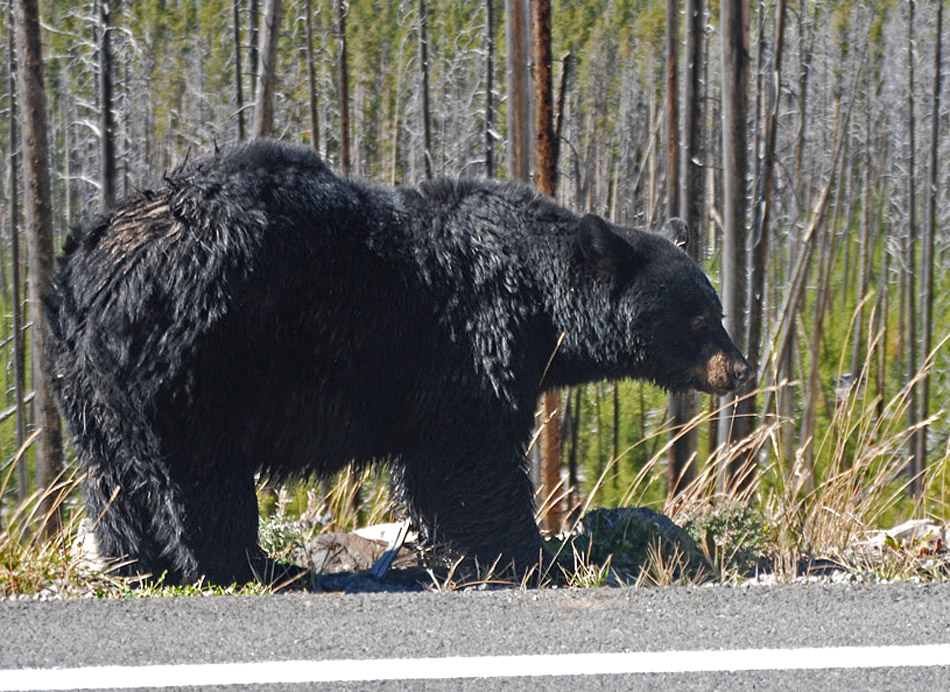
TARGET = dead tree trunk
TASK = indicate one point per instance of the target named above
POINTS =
(489, 88)
(546, 167)
(253, 43)
(519, 96)
(858, 353)
(682, 405)
(344, 89)
(238, 72)
(734, 20)
(19, 360)
(107, 175)
(915, 467)
(672, 108)
(312, 82)
(49, 447)
(927, 259)
(424, 70)
(761, 213)
(267, 71)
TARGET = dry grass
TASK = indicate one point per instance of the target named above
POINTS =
(803, 517)
(785, 519)
(31, 563)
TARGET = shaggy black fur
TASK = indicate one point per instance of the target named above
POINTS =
(258, 313)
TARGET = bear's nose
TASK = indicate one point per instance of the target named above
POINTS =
(742, 372)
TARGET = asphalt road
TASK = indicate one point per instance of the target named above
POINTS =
(681, 634)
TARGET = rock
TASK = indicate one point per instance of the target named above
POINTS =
(925, 536)
(631, 536)
(333, 553)
(85, 549)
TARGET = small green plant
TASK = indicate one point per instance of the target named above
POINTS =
(736, 539)
(158, 589)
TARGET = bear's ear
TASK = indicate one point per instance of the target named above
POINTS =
(678, 233)
(601, 248)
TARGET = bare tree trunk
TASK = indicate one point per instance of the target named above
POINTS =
(573, 419)
(238, 76)
(546, 167)
(806, 36)
(253, 43)
(267, 71)
(858, 353)
(561, 98)
(519, 94)
(927, 260)
(691, 193)
(546, 145)
(343, 85)
(734, 20)
(915, 466)
(312, 81)
(489, 88)
(672, 108)
(651, 157)
(49, 447)
(761, 213)
(107, 175)
(682, 405)
(424, 70)
(19, 350)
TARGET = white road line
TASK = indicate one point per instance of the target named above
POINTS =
(459, 667)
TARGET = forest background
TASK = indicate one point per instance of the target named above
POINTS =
(805, 138)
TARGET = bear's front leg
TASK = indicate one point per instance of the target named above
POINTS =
(476, 502)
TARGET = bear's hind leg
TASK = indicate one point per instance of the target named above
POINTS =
(136, 513)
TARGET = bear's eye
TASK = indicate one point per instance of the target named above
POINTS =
(698, 322)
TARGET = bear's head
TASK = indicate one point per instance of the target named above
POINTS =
(663, 319)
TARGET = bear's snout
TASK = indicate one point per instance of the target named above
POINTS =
(724, 372)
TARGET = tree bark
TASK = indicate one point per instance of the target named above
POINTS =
(672, 108)
(19, 350)
(734, 21)
(344, 89)
(489, 88)
(858, 353)
(107, 174)
(682, 405)
(253, 43)
(312, 82)
(267, 71)
(519, 96)
(238, 71)
(691, 193)
(424, 69)
(546, 167)
(762, 212)
(915, 466)
(545, 143)
(927, 259)
(49, 448)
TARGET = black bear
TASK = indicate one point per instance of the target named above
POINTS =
(256, 312)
